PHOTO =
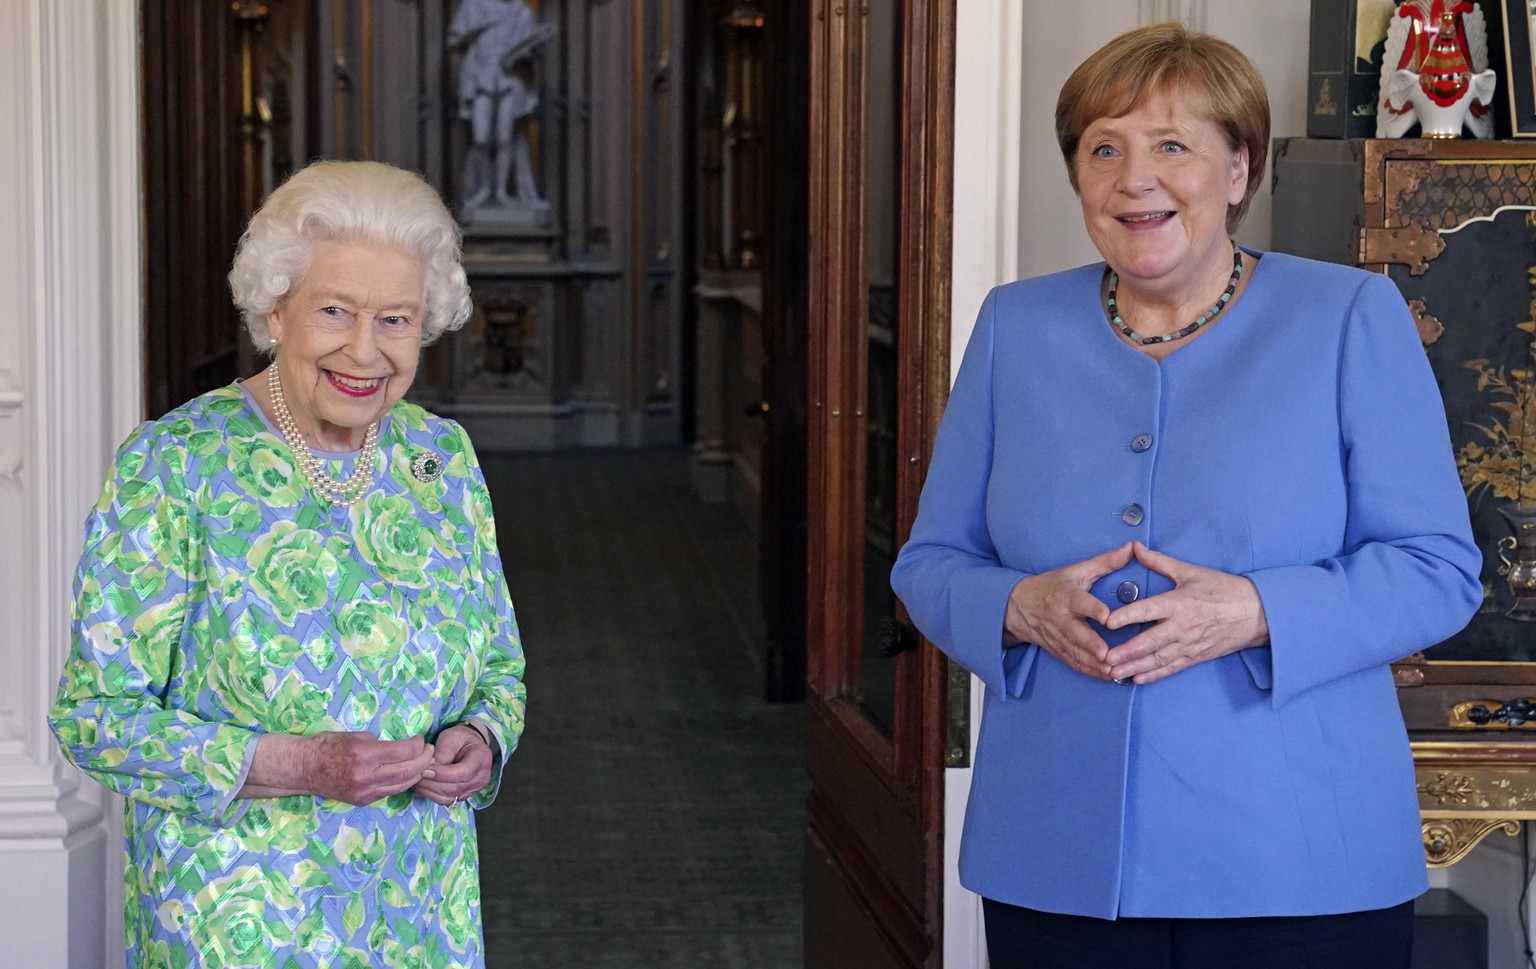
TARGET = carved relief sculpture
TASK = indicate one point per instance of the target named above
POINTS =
(498, 43)
(1435, 73)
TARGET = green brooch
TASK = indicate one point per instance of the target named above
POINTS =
(427, 466)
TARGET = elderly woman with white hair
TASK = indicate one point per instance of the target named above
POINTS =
(293, 651)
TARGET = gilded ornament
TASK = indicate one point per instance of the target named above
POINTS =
(1457, 788)
(1448, 841)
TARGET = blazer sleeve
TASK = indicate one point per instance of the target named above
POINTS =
(133, 592)
(1407, 575)
(948, 574)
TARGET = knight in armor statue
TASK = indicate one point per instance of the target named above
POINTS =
(497, 38)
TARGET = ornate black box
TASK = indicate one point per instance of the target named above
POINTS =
(1453, 224)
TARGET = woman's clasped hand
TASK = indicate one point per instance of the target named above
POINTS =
(461, 766)
(1053, 610)
(358, 768)
(1208, 614)
(351, 766)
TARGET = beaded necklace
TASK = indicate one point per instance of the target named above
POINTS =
(1210, 314)
(336, 492)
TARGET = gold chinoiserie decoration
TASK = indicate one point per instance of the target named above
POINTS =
(1502, 462)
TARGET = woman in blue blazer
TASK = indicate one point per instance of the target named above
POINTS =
(1185, 507)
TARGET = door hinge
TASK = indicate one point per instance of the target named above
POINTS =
(1412, 245)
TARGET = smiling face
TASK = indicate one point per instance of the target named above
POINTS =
(348, 340)
(1155, 185)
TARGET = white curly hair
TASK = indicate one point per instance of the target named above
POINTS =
(349, 201)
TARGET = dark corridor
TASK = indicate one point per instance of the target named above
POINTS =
(654, 813)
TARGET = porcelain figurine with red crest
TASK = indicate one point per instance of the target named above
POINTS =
(1435, 72)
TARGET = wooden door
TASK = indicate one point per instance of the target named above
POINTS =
(194, 197)
(782, 522)
(880, 156)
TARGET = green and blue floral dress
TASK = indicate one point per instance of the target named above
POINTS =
(218, 600)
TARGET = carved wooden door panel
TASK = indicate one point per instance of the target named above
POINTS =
(880, 144)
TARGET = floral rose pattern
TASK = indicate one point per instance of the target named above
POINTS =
(217, 600)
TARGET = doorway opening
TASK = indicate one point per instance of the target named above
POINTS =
(633, 378)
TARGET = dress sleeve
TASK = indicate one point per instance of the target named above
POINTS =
(948, 574)
(497, 699)
(1407, 575)
(133, 590)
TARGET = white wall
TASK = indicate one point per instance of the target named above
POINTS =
(1012, 59)
(69, 390)
(989, 37)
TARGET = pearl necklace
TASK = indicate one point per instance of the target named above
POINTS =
(1210, 314)
(336, 492)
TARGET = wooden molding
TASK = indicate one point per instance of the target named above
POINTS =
(11, 399)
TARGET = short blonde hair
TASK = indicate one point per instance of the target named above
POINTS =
(341, 201)
(1170, 58)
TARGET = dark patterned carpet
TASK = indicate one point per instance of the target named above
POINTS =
(653, 815)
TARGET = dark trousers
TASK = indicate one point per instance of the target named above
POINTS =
(1021, 938)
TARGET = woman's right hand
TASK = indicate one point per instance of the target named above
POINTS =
(1053, 609)
(355, 767)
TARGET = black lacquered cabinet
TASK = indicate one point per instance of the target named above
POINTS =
(1453, 224)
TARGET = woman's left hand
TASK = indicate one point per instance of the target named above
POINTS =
(461, 767)
(1207, 615)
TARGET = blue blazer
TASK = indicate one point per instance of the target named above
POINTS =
(1301, 442)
